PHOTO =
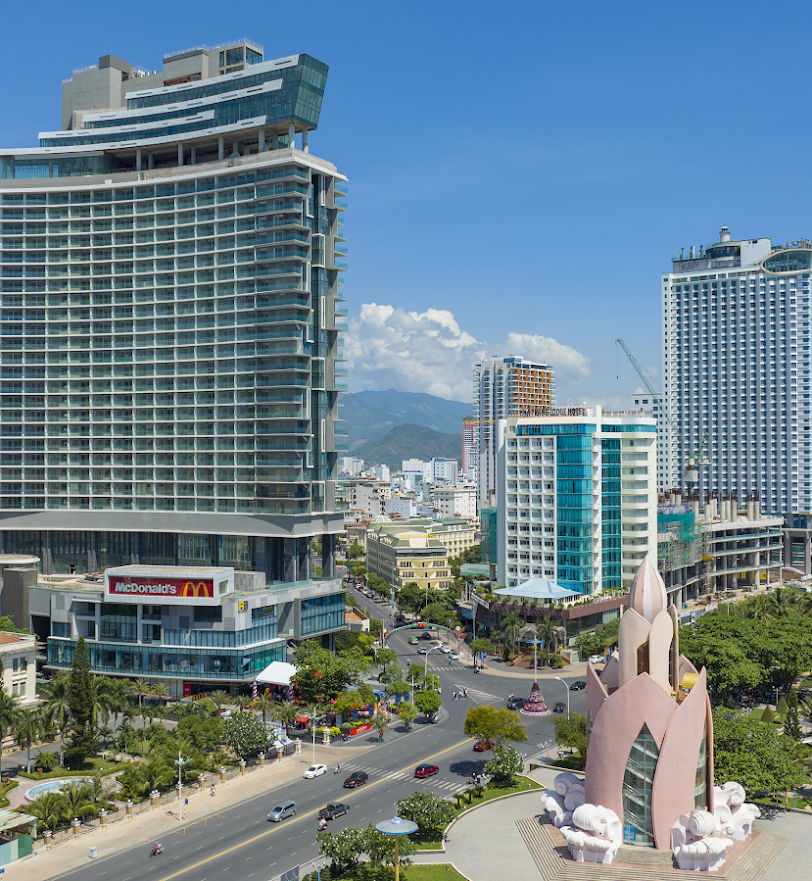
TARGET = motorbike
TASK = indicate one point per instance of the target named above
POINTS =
(337, 769)
(157, 850)
(322, 825)
(476, 669)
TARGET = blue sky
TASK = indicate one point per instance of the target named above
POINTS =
(520, 173)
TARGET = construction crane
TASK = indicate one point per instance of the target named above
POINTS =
(692, 460)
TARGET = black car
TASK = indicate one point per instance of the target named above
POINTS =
(516, 703)
(333, 810)
(357, 778)
(580, 685)
(558, 708)
(427, 635)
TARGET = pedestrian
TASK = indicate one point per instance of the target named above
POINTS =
(465, 693)
(510, 696)
(455, 695)
(439, 690)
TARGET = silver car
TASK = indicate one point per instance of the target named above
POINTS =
(282, 810)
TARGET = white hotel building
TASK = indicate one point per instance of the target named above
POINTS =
(736, 366)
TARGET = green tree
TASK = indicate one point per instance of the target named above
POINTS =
(767, 716)
(754, 754)
(244, 734)
(792, 721)
(732, 649)
(78, 800)
(429, 811)
(504, 765)
(512, 624)
(571, 732)
(355, 551)
(594, 642)
(49, 809)
(8, 713)
(410, 598)
(380, 848)
(438, 613)
(57, 707)
(482, 645)
(408, 713)
(7, 625)
(383, 657)
(378, 586)
(29, 725)
(344, 849)
(81, 690)
(265, 703)
(495, 726)
(286, 713)
(428, 702)
(381, 725)
(321, 675)
(398, 687)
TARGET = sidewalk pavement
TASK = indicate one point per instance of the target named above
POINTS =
(486, 843)
(496, 667)
(155, 824)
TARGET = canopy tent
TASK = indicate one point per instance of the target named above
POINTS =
(540, 589)
(277, 673)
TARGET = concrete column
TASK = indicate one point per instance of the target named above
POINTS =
(328, 556)
(291, 135)
(153, 798)
(261, 759)
(305, 148)
(129, 807)
(194, 156)
(103, 817)
(46, 837)
(201, 780)
(150, 161)
(75, 823)
(275, 141)
(290, 559)
(138, 159)
(262, 140)
(180, 154)
(222, 772)
(242, 767)
(235, 149)
(305, 558)
(221, 148)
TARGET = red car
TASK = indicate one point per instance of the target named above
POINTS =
(481, 745)
(422, 771)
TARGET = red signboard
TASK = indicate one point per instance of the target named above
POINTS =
(137, 588)
(187, 689)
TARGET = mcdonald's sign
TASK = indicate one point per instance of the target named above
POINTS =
(167, 587)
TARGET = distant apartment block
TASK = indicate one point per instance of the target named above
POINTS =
(455, 501)
(470, 449)
(504, 387)
(577, 498)
(352, 466)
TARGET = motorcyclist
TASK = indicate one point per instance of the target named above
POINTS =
(337, 768)
(157, 848)
(322, 824)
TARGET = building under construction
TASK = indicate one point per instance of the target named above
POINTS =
(708, 548)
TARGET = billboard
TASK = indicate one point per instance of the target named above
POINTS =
(160, 590)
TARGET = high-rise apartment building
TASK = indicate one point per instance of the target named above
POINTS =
(577, 498)
(470, 448)
(736, 365)
(503, 387)
(171, 314)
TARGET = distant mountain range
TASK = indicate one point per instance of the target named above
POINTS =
(371, 415)
(409, 441)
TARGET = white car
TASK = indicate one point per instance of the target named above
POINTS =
(314, 771)
(446, 650)
(596, 659)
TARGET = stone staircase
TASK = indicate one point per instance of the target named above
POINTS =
(639, 864)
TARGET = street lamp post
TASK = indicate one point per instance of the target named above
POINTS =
(426, 666)
(568, 693)
(180, 762)
(313, 729)
(396, 827)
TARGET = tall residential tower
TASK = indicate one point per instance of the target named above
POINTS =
(171, 315)
(736, 366)
(503, 387)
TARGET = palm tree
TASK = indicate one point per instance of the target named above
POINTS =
(265, 703)
(381, 725)
(287, 712)
(512, 624)
(160, 690)
(8, 712)
(783, 602)
(78, 799)
(49, 809)
(140, 687)
(220, 697)
(57, 708)
(114, 694)
(549, 632)
(28, 726)
(243, 701)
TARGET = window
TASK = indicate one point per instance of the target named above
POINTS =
(60, 628)
(208, 614)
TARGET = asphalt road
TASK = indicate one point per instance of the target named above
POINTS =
(241, 844)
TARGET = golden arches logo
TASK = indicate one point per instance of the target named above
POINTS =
(190, 589)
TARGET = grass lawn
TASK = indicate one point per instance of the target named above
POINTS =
(431, 873)
(521, 784)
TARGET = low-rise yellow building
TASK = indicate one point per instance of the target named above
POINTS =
(401, 554)
(18, 653)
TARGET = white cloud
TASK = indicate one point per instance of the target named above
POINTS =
(429, 352)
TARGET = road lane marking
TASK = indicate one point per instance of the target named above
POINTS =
(300, 817)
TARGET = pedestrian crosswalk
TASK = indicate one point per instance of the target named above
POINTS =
(476, 695)
(435, 782)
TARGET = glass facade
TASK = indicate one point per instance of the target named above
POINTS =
(574, 507)
(320, 614)
(135, 660)
(701, 785)
(637, 783)
(610, 513)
